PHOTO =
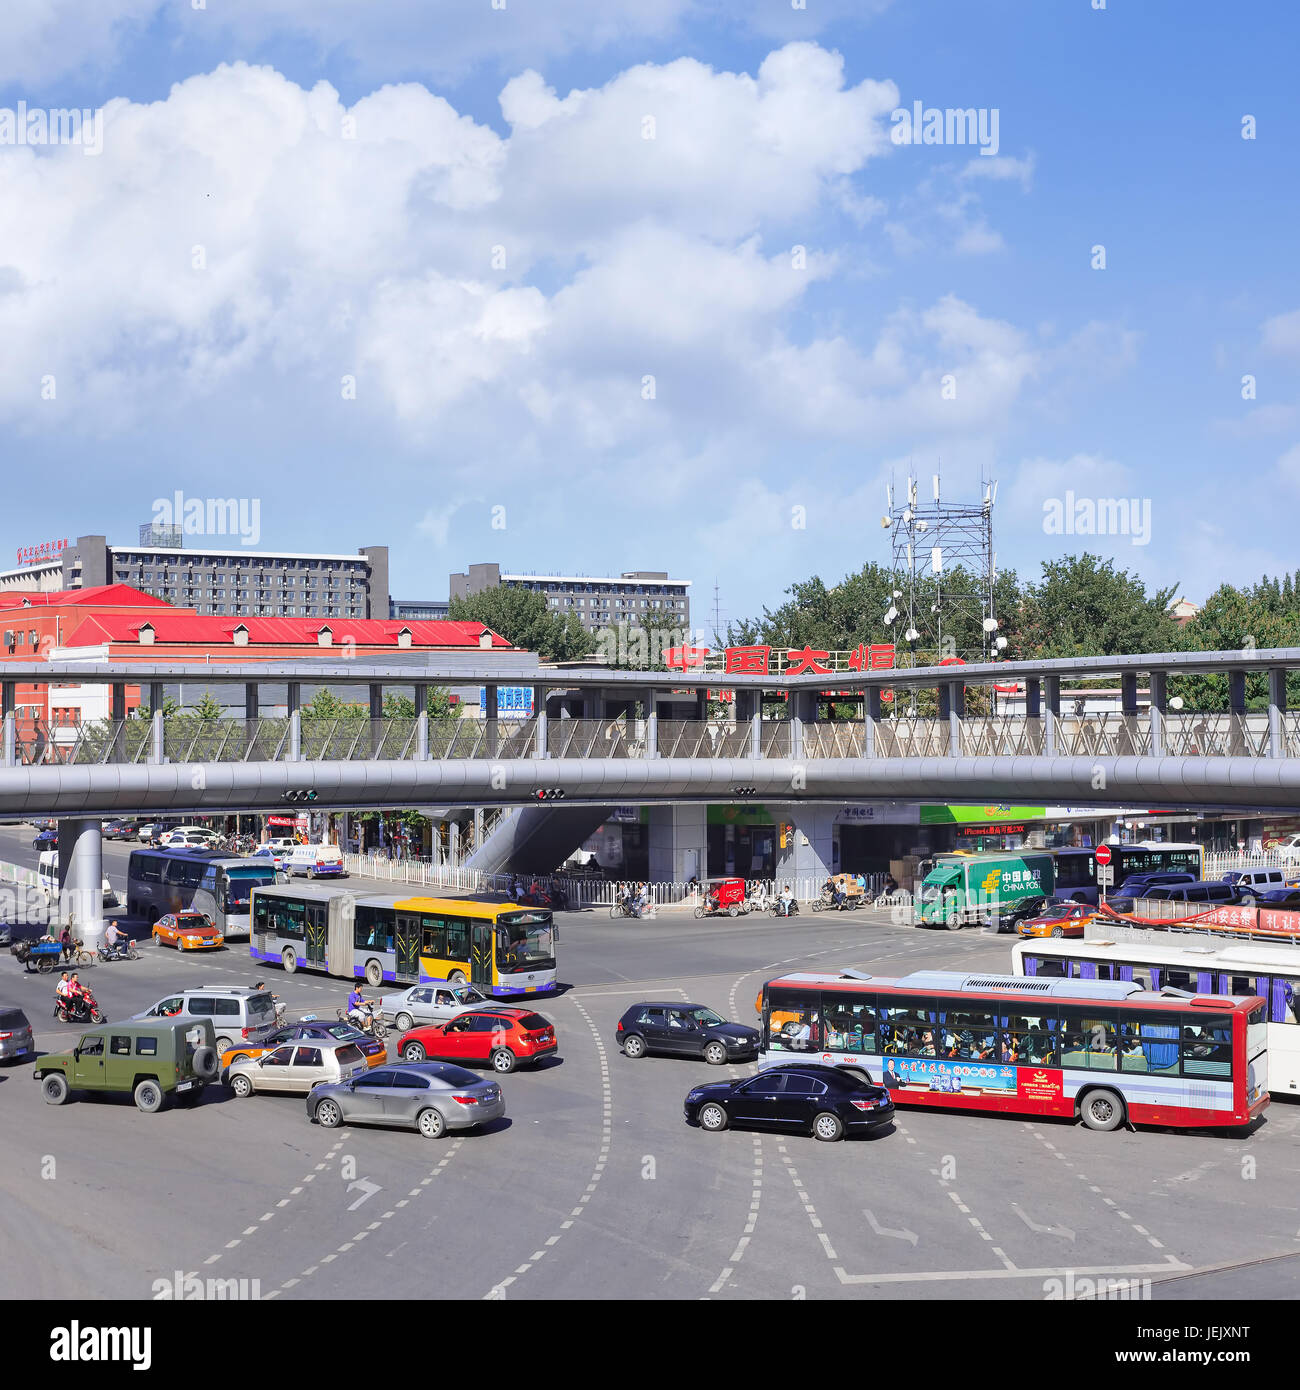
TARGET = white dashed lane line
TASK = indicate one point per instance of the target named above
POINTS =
(751, 1220)
(498, 1290)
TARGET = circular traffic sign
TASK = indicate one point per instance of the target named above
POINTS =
(1103, 854)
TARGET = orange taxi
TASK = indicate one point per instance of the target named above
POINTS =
(187, 931)
(309, 1030)
(1059, 919)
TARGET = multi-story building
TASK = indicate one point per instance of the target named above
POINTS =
(422, 609)
(643, 598)
(228, 582)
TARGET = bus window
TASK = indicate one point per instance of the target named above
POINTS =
(794, 1022)
(288, 918)
(1088, 1040)
(1074, 870)
(1148, 1046)
(149, 869)
(968, 1036)
(1052, 967)
(1284, 1001)
(457, 946)
(372, 929)
(1207, 1049)
(850, 1027)
(1030, 1038)
(433, 937)
(1242, 984)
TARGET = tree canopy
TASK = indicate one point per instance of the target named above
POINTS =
(522, 617)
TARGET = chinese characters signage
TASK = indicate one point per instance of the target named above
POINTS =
(34, 554)
(776, 661)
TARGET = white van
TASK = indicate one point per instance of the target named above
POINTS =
(48, 872)
(316, 861)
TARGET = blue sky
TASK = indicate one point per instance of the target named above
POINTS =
(199, 291)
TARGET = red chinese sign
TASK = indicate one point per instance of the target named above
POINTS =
(684, 658)
(748, 661)
(762, 660)
(33, 554)
(872, 658)
(807, 659)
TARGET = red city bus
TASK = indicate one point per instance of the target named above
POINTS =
(1106, 1052)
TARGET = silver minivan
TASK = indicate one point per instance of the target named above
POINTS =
(237, 1013)
(297, 1067)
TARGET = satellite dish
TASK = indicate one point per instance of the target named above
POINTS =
(907, 515)
(898, 593)
(890, 614)
(990, 624)
(1176, 702)
(922, 525)
(911, 635)
(884, 523)
(936, 559)
(1000, 643)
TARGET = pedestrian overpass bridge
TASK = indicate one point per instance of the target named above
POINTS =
(1004, 732)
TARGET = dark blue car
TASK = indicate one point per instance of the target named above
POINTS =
(46, 839)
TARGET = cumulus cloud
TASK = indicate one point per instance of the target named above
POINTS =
(1281, 333)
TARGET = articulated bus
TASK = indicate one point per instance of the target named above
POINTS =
(504, 949)
(1076, 869)
(1107, 1052)
(1271, 972)
(159, 881)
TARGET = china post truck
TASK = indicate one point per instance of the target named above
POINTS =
(964, 888)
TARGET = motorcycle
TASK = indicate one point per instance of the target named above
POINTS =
(372, 1023)
(123, 950)
(80, 1010)
(780, 909)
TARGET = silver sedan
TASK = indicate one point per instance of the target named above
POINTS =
(431, 1097)
(433, 1002)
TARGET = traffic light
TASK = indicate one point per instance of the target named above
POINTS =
(744, 791)
(550, 794)
(300, 796)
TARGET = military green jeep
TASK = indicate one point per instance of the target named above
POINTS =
(150, 1060)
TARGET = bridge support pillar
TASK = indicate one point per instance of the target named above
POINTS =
(952, 707)
(1159, 703)
(8, 690)
(803, 710)
(809, 853)
(81, 879)
(157, 730)
(541, 748)
(870, 719)
(1034, 713)
(649, 704)
(1051, 714)
(490, 720)
(453, 843)
(376, 717)
(678, 843)
(1276, 709)
(117, 714)
(1128, 704)
(422, 721)
(1237, 709)
(251, 712)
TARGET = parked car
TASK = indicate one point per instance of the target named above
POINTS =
(801, 1097)
(1009, 916)
(121, 830)
(374, 1051)
(1135, 885)
(16, 1038)
(278, 857)
(1250, 884)
(1194, 893)
(430, 1003)
(236, 1012)
(1059, 918)
(285, 844)
(1289, 849)
(1279, 897)
(187, 931)
(195, 836)
(502, 1037)
(46, 839)
(152, 831)
(684, 1030)
(296, 1067)
(149, 1061)
(431, 1097)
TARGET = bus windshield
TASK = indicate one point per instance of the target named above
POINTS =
(525, 941)
(242, 882)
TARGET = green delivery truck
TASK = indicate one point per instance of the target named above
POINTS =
(964, 888)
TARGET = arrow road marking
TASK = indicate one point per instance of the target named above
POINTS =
(369, 1190)
(909, 1236)
(1042, 1230)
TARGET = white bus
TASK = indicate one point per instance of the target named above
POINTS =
(1272, 972)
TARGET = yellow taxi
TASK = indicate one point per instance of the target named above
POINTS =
(187, 931)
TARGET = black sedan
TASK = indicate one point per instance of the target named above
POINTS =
(684, 1030)
(802, 1097)
(121, 830)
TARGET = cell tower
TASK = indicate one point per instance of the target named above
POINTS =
(931, 538)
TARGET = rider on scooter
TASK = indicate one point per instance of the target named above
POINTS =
(360, 1010)
(786, 900)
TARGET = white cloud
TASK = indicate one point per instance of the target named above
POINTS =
(1000, 167)
(1281, 333)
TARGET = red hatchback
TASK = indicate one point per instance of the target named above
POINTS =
(500, 1036)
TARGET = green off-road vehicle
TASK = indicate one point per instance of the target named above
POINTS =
(150, 1061)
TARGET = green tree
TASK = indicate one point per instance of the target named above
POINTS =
(209, 707)
(437, 704)
(522, 617)
(325, 704)
(1085, 606)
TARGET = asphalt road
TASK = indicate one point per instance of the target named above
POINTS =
(595, 1188)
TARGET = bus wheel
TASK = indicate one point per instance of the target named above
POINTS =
(457, 977)
(1102, 1110)
(290, 960)
(374, 974)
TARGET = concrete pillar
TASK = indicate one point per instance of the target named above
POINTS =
(678, 842)
(1051, 713)
(117, 714)
(539, 708)
(157, 730)
(809, 852)
(1276, 710)
(478, 826)
(376, 717)
(746, 703)
(956, 713)
(490, 716)
(453, 843)
(422, 721)
(649, 702)
(1159, 703)
(702, 704)
(756, 732)
(293, 702)
(81, 879)
(1237, 707)
(1034, 712)
(8, 690)
(803, 710)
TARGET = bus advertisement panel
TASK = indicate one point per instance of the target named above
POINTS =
(1270, 972)
(1108, 1052)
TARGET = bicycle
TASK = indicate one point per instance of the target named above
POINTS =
(81, 956)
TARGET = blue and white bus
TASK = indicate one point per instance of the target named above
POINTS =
(1076, 869)
(160, 881)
